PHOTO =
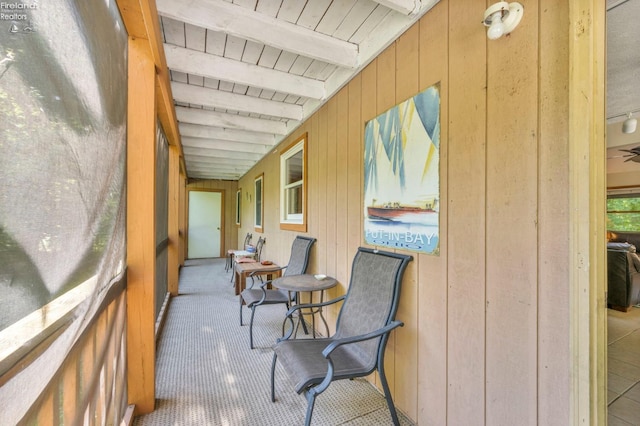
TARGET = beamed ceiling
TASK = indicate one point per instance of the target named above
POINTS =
(246, 73)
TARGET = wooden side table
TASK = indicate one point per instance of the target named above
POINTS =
(243, 270)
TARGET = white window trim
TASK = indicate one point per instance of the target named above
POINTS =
(296, 221)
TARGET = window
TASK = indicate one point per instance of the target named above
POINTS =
(259, 204)
(623, 212)
(238, 207)
(293, 197)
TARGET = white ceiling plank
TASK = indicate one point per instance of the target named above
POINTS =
(179, 76)
(290, 10)
(195, 80)
(195, 37)
(252, 52)
(356, 16)
(334, 16)
(218, 119)
(269, 8)
(219, 99)
(285, 61)
(312, 13)
(254, 26)
(173, 31)
(221, 153)
(234, 47)
(254, 91)
(269, 57)
(217, 67)
(370, 25)
(406, 7)
(300, 65)
(212, 83)
(224, 145)
(200, 131)
(226, 86)
(216, 41)
(248, 4)
(315, 69)
(240, 89)
(267, 94)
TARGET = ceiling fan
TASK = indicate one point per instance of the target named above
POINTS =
(633, 154)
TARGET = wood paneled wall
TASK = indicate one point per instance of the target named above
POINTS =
(487, 336)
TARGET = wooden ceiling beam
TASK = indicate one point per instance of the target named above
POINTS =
(230, 121)
(213, 98)
(241, 22)
(232, 135)
(220, 68)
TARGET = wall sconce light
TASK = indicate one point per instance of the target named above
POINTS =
(629, 125)
(502, 18)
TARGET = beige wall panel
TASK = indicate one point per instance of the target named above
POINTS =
(321, 187)
(385, 99)
(343, 255)
(554, 366)
(512, 178)
(406, 343)
(312, 177)
(355, 161)
(431, 338)
(466, 214)
(331, 171)
(368, 111)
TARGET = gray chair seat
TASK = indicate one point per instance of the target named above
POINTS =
(307, 366)
(254, 295)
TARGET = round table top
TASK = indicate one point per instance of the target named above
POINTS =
(305, 282)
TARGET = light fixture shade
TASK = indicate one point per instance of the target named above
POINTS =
(629, 125)
(502, 18)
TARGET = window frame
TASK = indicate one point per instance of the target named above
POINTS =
(299, 222)
(258, 212)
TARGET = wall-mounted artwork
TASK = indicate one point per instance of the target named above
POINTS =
(402, 179)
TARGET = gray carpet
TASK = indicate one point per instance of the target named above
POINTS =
(207, 375)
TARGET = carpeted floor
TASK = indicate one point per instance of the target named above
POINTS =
(207, 375)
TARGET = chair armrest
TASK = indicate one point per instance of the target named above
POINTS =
(314, 305)
(353, 339)
(289, 314)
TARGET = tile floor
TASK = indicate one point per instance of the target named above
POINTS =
(624, 367)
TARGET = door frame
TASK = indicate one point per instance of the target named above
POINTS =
(222, 218)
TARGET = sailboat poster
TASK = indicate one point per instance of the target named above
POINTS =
(402, 179)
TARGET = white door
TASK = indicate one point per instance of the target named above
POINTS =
(205, 216)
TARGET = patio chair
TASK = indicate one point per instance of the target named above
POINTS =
(362, 329)
(254, 297)
(231, 253)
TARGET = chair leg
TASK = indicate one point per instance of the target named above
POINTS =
(311, 399)
(273, 375)
(253, 312)
(387, 393)
(240, 297)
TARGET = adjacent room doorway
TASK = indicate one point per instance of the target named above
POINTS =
(204, 224)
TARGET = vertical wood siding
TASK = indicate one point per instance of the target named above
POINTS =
(487, 332)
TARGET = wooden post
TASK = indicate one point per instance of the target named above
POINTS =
(141, 240)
